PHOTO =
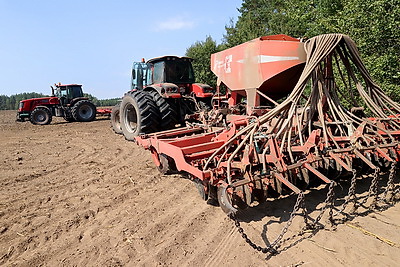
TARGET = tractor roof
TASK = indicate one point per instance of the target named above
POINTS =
(166, 58)
(73, 84)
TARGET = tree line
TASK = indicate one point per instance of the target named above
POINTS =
(11, 102)
(374, 25)
(102, 102)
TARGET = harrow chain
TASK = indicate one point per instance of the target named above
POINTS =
(390, 185)
(330, 198)
(373, 190)
(351, 196)
(272, 248)
(328, 203)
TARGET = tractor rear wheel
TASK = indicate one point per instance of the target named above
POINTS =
(115, 119)
(40, 116)
(167, 112)
(138, 114)
(84, 111)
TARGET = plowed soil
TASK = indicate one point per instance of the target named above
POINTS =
(76, 194)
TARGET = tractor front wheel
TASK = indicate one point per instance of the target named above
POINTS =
(40, 116)
(84, 111)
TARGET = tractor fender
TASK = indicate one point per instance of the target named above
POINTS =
(202, 90)
(50, 108)
(75, 100)
(44, 106)
(166, 90)
(155, 88)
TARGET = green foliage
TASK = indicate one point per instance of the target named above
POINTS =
(102, 102)
(201, 52)
(375, 27)
(297, 18)
(253, 21)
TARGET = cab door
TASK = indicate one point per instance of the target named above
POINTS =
(141, 75)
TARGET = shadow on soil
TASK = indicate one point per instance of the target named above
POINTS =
(280, 210)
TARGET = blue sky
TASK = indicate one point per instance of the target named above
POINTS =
(95, 42)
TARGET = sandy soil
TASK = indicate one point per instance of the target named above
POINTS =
(76, 194)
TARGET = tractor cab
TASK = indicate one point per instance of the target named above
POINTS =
(141, 75)
(160, 70)
(171, 69)
(67, 92)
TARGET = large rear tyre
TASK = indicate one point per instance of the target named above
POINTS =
(115, 119)
(40, 116)
(138, 114)
(167, 113)
(84, 111)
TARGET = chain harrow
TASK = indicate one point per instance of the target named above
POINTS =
(351, 197)
(272, 248)
(390, 185)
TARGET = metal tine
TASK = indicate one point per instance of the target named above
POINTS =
(365, 159)
(317, 173)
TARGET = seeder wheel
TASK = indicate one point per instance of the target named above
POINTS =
(164, 163)
(225, 200)
(201, 188)
(232, 199)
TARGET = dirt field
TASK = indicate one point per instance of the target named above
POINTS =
(76, 194)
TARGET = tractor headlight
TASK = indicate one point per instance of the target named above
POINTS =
(171, 90)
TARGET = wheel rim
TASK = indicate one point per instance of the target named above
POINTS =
(40, 116)
(131, 118)
(85, 112)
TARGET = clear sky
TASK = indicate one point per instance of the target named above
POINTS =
(94, 42)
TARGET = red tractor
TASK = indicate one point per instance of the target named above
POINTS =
(163, 95)
(67, 101)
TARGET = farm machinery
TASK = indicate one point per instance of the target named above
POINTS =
(287, 115)
(163, 94)
(67, 101)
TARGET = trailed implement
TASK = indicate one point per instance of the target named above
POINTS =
(287, 115)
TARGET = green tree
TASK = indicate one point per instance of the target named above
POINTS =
(201, 53)
(297, 18)
(252, 22)
(102, 102)
(375, 27)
